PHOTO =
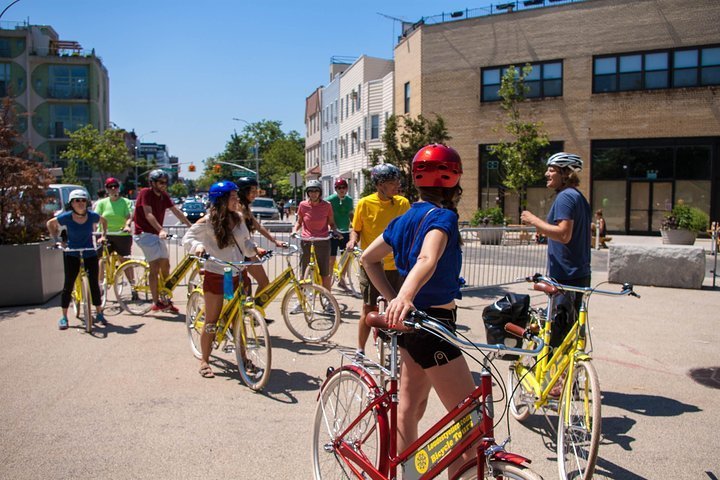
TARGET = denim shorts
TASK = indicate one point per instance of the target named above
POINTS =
(152, 246)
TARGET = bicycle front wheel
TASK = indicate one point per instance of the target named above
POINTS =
(86, 310)
(195, 321)
(104, 287)
(252, 348)
(351, 277)
(194, 280)
(132, 289)
(311, 313)
(498, 470)
(579, 423)
(342, 399)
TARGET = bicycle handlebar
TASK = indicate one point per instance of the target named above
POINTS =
(236, 265)
(315, 239)
(539, 279)
(66, 249)
(293, 249)
(419, 320)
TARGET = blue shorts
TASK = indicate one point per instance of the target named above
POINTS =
(152, 246)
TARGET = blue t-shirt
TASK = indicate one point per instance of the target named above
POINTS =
(570, 261)
(444, 285)
(79, 234)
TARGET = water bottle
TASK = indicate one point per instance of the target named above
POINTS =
(227, 283)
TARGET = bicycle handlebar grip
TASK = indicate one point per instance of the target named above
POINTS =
(513, 329)
(374, 319)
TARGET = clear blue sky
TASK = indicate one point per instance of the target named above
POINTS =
(187, 68)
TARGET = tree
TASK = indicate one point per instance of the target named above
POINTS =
(23, 185)
(402, 139)
(520, 156)
(178, 189)
(70, 173)
(105, 152)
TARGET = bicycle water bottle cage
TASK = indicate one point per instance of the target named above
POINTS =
(210, 328)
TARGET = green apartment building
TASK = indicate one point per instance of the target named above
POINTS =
(56, 87)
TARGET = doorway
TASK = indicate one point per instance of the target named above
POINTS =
(649, 202)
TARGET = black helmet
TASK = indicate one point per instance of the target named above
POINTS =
(246, 182)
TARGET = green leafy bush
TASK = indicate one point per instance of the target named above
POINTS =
(490, 216)
(686, 218)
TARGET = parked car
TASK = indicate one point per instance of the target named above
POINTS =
(193, 210)
(265, 209)
(58, 194)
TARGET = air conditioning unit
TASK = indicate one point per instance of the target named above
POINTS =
(363, 145)
(353, 94)
(353, 134)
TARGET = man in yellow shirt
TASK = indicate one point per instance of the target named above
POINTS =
(372, 215)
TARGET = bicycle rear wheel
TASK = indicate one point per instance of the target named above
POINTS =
(311, 313)
(351, 277)
(579, 423)
(132, 289)
(520, 399)
(195, 321)
(252, 348)
(343, 397)
(86, 309)
(500, 470)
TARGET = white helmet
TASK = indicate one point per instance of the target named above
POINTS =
(77, 193)
(563, 159)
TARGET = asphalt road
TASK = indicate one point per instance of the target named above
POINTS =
(128, 402)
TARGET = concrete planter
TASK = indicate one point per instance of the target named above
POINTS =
(491, 235)
(33, 274)
(678, 237)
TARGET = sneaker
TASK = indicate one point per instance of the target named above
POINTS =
(329, 309)
(134, 297)
(158, 307)
(100, 319)
(63, 323)
(169, 307)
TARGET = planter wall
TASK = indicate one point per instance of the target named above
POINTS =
(678, 237)
(490, 235)
(33, 274)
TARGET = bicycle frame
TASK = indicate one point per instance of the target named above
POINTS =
(342, 263)
(543, 376)
(265, 296)
(178, 273)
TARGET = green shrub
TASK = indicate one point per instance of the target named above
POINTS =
(687, 218)
(491, 216)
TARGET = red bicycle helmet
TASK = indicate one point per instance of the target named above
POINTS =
(111, 181)
(341, 182)
(436, 166)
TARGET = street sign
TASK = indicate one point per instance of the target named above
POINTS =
(243, 173)
(296, 179)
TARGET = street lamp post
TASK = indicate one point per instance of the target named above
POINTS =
(137, 141)
(256, 149)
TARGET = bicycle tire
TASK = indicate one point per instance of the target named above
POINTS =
(194, 280)
(103, 265)
(86, 309)
(75, 296)
(519, 408)
(305, 309)
(500, 469)
(141, 302)
(351, 277)
(578, 442)
(252, 348)
(308, 274)
(195, 321)
(343, 397)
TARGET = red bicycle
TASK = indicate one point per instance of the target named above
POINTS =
(355, 432)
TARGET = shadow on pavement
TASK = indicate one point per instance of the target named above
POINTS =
(649, 405)
(607, 469)
(614, 430)
(301, 348)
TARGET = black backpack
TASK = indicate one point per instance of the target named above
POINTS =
(512, 308)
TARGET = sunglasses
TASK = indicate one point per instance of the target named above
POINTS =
(162, 182)
(113, 186)
(79, 200)
(341, 188)
(314, 191)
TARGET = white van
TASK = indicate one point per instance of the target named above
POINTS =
(58, 194)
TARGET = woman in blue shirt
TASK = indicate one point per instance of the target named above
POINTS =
(425, 243)
(80, 223)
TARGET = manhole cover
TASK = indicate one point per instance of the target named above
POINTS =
(710, 377)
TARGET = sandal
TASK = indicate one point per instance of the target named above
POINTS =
(206, 372)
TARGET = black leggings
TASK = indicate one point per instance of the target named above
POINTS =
(72, 268)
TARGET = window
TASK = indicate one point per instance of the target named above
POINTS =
(374, 127)
(357, 99)
(544, 80)
(406, 108)
(341, 109)
(4, 79)
(67, 117)
(68, 81)
(5, 47)
(677, 68)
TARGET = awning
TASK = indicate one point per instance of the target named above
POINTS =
(314, 171)
(346, 175)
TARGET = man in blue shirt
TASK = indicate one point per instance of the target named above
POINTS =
(567, 228)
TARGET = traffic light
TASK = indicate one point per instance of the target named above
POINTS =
(191, 167)
(216, 168)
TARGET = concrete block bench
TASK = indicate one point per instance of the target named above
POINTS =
(658, 266)
(277, 226)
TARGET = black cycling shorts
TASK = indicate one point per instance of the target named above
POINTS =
(122, 244)
(427, 349)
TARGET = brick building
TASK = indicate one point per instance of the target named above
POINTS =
(633, 86)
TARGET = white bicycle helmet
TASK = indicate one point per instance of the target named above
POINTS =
(564, 159)
(77, 193)
(313, 184)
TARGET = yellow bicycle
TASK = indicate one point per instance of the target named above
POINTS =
(80, 296)
(132, 287)
(240, 329)
(310, 311)
(530, 382)
(346, 271)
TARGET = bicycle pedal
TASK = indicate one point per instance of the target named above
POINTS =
(229, 348)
